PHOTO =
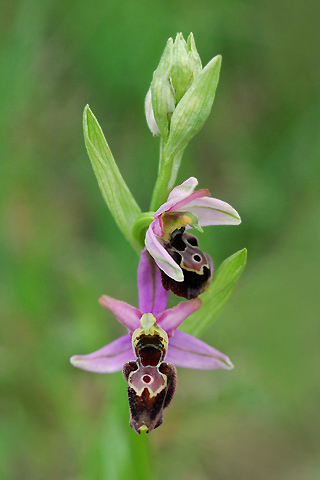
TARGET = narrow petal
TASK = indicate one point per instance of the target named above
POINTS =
(212, 211)
(153, 298)
(108, 359)
(190, 352)
(162, 258)
(172, 318)
(126, 314)
(177, 194)
(204, 192)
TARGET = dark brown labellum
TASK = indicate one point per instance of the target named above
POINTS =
(197, 266)
(151, 383)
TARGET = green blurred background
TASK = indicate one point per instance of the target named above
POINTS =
(60, 248)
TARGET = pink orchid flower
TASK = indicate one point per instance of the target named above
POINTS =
(152, 338)
(175, 252)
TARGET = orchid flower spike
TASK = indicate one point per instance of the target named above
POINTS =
(151, 349)
(185, 269)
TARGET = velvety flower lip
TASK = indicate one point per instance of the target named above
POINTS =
(183, 208)
(183, 350)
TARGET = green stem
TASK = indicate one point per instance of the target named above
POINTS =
(168, 171)
(161, 188)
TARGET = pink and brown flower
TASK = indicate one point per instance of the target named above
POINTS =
(152, 348)
(185, 269)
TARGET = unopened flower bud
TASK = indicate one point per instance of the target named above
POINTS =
(150, 115)
(181, 93)
(162, 96)
(181, 71)
(194, 57)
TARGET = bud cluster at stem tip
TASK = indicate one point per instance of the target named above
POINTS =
(179, 67)
(177, 105)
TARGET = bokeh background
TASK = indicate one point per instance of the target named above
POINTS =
(60, 248)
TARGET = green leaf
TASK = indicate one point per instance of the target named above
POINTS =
(220, 290)
(117, 195)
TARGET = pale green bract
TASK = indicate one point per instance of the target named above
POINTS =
(219, 292)
(189, 117)
(193, 109)
(115, 191)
